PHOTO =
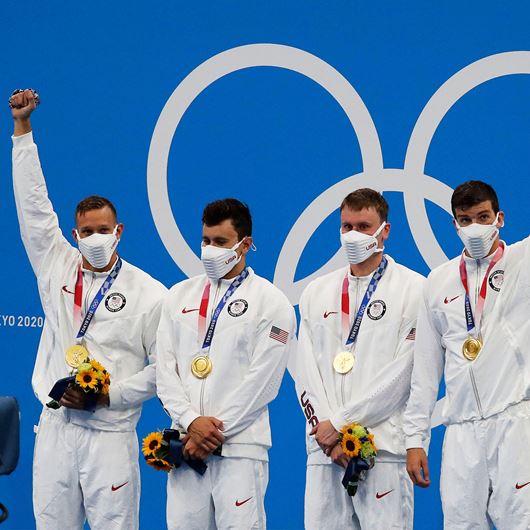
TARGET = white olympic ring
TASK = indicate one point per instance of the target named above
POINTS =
(411, 180)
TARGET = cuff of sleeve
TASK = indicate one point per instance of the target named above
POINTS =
(338, 420)
(414, 442)
(187, 418)
(115, 397)
(24, 140)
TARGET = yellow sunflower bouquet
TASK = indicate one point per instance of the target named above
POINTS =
(357, 443)
(156, 451)
(163, 450)
(90, 377)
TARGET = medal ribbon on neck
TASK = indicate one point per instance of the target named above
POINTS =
(473, 322)
(78, 299)
(350, 338)
(208, 335)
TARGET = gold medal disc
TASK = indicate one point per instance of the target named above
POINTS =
(343, 362)
(201, 366)
(471, 348)
(76, 355)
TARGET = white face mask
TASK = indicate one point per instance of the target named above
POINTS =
(97, 249)
(219, 261)
(358, 246)
(478, 239)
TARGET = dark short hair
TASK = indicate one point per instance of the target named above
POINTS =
(471, 193)
(366, 198)
(238, 212)
(94, 202)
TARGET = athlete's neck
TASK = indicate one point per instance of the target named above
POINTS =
(368, 266)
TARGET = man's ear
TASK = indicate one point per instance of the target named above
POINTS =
(74, 234)
(386, 231)
(501, 218)
(246, 245)
(119, 230)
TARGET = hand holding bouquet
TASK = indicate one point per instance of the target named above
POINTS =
(90, 381)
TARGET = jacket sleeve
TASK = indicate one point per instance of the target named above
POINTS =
(244, 404)
(134, 390)
(39, 227)
(429, 358)
(390, 388)
(169, 386)
(304, 369)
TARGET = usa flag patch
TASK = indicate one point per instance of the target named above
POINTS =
(411, 335)
(279, 334)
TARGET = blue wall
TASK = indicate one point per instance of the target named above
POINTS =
(270, 136)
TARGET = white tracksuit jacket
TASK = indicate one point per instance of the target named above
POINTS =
(374, 393)
(500, 376)
(248, 364)
(122, 340)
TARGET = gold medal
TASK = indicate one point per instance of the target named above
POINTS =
(76, 355)
(201, 366)
(343, 362)
(471, 348)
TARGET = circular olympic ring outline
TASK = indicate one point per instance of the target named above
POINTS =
(227, 62)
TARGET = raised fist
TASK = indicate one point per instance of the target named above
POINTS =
(23, 103)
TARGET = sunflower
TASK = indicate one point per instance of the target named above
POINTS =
(350, 445)
(87, 380)
(152, 443)
(371, 438)
(105, 382)
(159, 464)
(97, 366)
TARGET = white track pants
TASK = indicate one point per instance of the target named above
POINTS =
(383, 501)
(83, 473)
(486, 472)
(229, 495)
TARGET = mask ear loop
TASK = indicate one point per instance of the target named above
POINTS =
(377, 232)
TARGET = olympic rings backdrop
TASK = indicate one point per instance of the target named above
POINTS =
(287, 105)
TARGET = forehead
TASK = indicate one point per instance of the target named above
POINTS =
(100, 217)
(225, 229)
(368, 215)
(481, 207)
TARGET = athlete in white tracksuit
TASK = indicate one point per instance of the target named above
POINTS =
(85, 464)
(249, 353)
(485, 466)
(373, 393)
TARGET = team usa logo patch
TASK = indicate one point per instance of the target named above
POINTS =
(115, 302)
(376, 309)
(496, 280)
(237, 307)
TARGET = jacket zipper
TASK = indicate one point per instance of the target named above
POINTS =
(203, 381)
(89, 292)
(471, 373)
(342, 382)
